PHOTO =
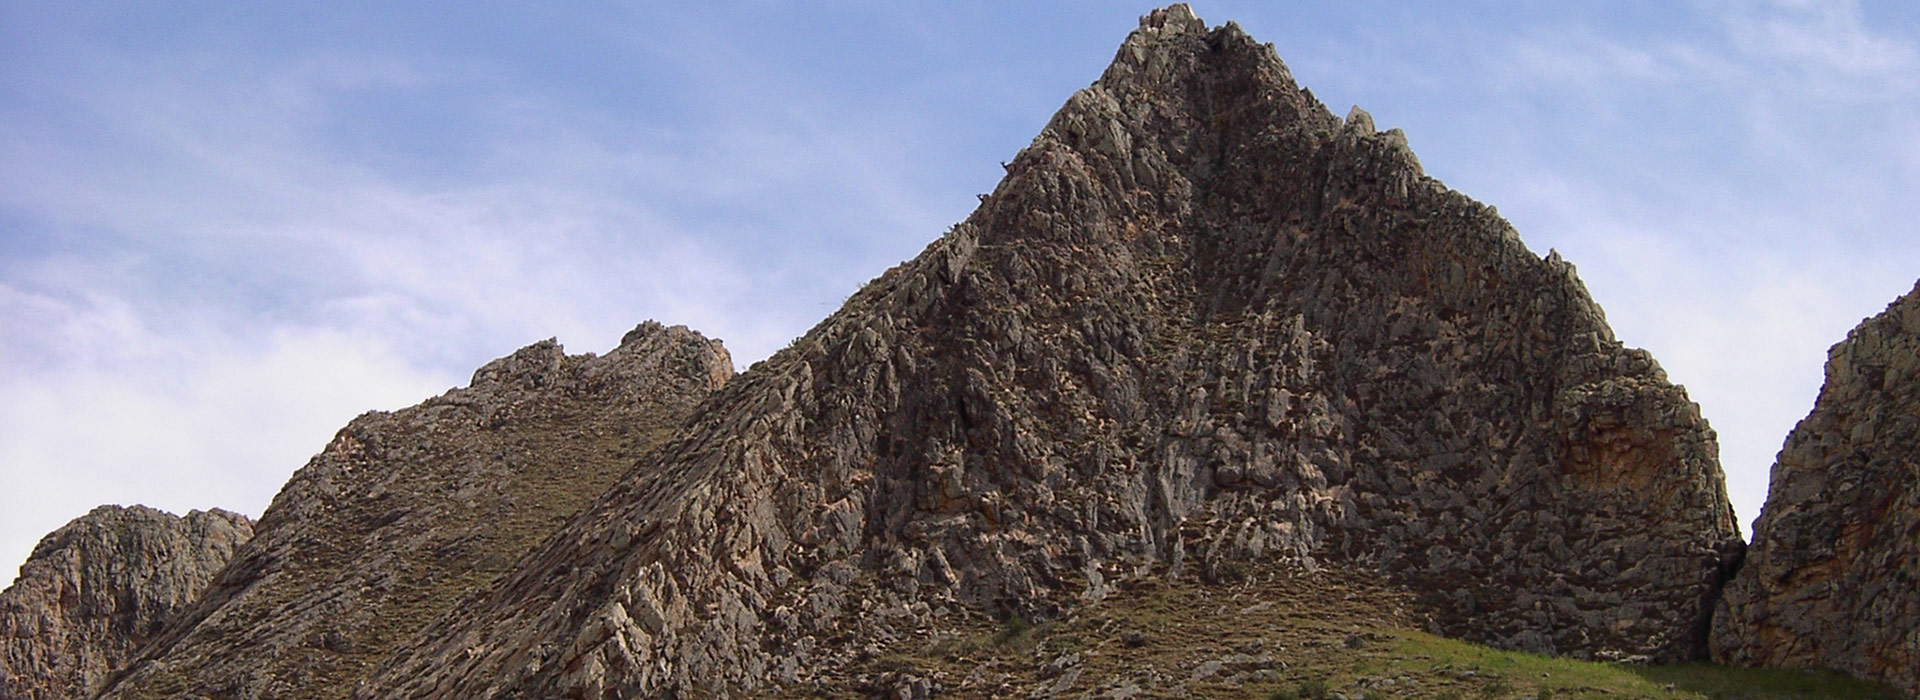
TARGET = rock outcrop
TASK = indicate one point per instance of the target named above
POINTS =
(99, 587)
(1202, 322)
(406, 512)
(1833, 577)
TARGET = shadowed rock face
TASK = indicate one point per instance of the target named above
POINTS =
(1833, 577)
(1201, 322)
(406, 512)
(99, 587)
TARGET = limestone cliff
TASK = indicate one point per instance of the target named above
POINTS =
(1833, 577)
(99, 587)
(1202, 322)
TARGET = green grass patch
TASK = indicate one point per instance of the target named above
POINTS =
(1282, 637)
(1728, 683)
(1471, 670)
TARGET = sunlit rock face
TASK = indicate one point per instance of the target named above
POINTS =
(97, 588)
(1833, 577)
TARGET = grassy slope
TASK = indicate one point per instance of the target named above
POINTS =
(1272, 636)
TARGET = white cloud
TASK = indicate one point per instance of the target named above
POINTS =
(113, 410)
(1828, 38)
(188, 339)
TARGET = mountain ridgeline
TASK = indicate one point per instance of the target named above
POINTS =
(1204, 333)
(405, 513)
(1201, 322)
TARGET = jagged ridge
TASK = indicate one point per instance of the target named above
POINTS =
(406, 512)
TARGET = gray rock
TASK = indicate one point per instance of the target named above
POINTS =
(1207, 669)
(1359, 121)
(1053, 669)
(1833, 577)
(99, 587)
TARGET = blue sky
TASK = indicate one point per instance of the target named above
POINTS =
(226, 229)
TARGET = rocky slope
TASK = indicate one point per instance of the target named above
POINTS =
(99, 587)
(1833, 577)
(1201, 323)
(405, 512)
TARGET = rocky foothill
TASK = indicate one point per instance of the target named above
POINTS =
(99, 587)
(1205, 337)
(1833, 577)
(407, 512)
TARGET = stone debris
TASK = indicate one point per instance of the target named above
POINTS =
(97, 588)
(1833, 577)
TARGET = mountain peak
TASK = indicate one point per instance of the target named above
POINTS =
(1202, 322)
(1177, 17)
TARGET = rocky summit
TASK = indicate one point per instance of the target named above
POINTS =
(99, 587)
(406, 512)
(1202, 324)
(1833, 577)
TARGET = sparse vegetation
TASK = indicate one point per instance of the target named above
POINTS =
(1313, 689)
(1014, 632)
(1717, 682)
(1155, 634)
(1015, 626)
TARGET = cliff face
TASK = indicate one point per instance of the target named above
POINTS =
(99, 587)
(1833, 577)
(1202, 322)
(406, 512)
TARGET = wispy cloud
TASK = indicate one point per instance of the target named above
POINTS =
(1822, 40)
(208, 278)
(1727, 205)
(110, 409)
